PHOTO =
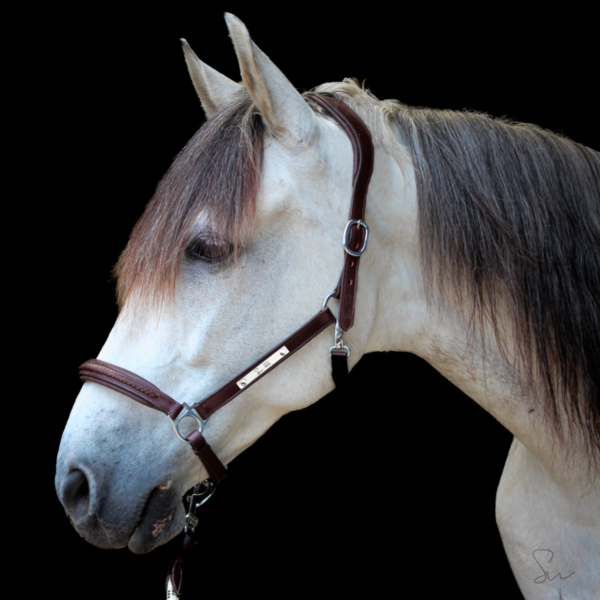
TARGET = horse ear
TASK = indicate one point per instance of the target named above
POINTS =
(212, 88)
(281, 106)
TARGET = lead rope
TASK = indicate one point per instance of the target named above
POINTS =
(202, 493)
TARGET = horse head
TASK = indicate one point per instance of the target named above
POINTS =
(238, 247)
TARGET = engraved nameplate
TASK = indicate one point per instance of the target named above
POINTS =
(265, 365)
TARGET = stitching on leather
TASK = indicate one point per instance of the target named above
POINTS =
(122, 378)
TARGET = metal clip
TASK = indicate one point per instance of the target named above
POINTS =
(202, 492)
(191, 521)
(339, 342)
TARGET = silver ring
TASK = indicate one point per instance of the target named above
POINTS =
(188, 411)
(327, 299)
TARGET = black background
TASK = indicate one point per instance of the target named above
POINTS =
(327, 502)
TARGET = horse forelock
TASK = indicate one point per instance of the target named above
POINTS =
(216, 176)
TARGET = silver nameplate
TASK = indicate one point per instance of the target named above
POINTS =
(265, 365)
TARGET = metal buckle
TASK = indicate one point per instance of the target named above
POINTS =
(196, 499)
(348, 231)
(188, 411)
(339, 343)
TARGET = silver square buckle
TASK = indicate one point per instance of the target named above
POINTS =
(347, 233)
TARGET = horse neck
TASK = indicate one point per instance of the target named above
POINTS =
(440, 332)
(391, 286)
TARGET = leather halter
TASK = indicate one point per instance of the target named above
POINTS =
(356, 234)
(354, 242)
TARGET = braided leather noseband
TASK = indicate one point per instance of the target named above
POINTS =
(355, 239)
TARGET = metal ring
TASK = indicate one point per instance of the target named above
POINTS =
(346, 239)
(327, 299)
(188, 411)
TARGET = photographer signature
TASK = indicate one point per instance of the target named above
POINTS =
(546, 574)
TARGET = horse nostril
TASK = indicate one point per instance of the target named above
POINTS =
(76, 494)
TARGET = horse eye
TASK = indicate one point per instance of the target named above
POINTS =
(209, 250)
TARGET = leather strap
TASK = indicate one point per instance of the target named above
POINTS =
(128, 383)
(217, 471)
(141, 390)
(299, 338)
(339, 368)
(363, 150)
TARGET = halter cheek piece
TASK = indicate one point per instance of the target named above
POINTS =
(356, 235)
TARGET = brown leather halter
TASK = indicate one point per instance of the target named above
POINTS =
(355, 240)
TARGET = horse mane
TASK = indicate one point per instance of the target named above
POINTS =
(509, 219)
(216, 176)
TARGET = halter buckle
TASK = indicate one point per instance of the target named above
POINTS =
(188, 411)
(348, 232)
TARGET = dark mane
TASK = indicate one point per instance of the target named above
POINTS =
(217, 174)
(511, 211)
(509, 220)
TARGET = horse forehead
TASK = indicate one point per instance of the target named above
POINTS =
(284, 167)
(292, 174)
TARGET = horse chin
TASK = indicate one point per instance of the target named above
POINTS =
(161, 520)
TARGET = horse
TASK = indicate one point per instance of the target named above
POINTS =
(483, 259)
